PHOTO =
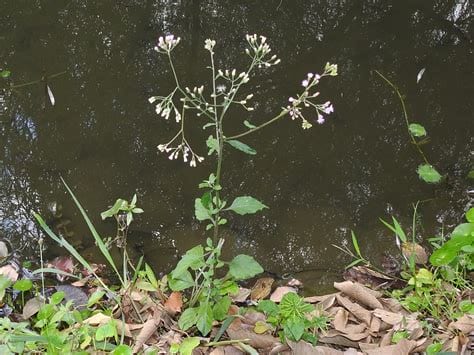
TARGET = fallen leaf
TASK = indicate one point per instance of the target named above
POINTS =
(340, 319)
(32, 306)
(388, 317)
(63, 263)
(294, 283)
(239, 330)
(149, 328)
(278, 294)
(358, 311)
(227, 350)
(360, 293)
(261, 327)
(304, 348)
(10, 272)
(409, 249)
(174, 303)
(464, 324)
(403, 347)
(242, 296)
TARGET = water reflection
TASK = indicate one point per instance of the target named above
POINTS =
(101, 136)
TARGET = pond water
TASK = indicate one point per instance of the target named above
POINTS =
(101, 135)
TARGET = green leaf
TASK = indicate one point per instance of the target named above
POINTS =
(244, 267)
(355, 244)
(249, 125)
(470, 215)
(294, 306)
(95, 297)
(470, 174)
(200, 211)
(194, 259)
(181, 281)
(105, 331)
(221, 308)
(268, 307)
(5, 73)
(5, 283)
(396, 228)
(53, 271)
(151, 276)
(294, 328)
(122, 350)
(434, 348)
(23, 285)
(428, 173)
(57, 297)
(188, 345)
(118, 206)
(417, 130)
(212, 144)
(246, 205)
(188, 318)
(242, 147)
(204, 318)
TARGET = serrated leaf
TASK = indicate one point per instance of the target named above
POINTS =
(212, 144)
(417, 130)
(246, 205)
(428, 173)
(188, 318)
(244, 267)
(242, 147)
(249, 125)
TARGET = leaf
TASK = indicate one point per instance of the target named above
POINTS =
(5, 73)
(246, 205)
(50, 95)
(294, 306)
(428, 173)
(212, 144)
(420, 75)
(188, 318)
(261, 327)
(249, 125)
(396, 228)
(9, 272)
(57, 298)
(122, 350)
(470, 174)
(95, 297)
(355, 244)
(221, 308)
(54, 271)
(23, 285)
(31, 307)
(470, 215)
(174, 303)
(244, 267)
(268, 307)
(151, 275)
(294, 328)
(105, 331)
(180, 282)
(200, 211)
(242, 147)
(204, 318)
(193, 258)
(119, 205)
(417, 130)
(188, 345)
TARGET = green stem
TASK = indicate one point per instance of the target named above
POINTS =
(226, 342)
(37, 81)
(274, 119)
(405, 114)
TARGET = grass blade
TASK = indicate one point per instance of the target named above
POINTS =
(356, 244)
(52, 270)
(98, 239)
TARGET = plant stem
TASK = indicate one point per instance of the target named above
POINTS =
(37, 81)
(405, 114)
(274, 119)
(226, 342)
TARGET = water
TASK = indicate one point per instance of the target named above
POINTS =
(101, 135)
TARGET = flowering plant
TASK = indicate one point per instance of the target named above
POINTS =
(213, 105)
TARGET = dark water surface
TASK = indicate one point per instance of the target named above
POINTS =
(101, 135)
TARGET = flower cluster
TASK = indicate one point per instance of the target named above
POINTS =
(259, 50)
(305, 99)
(209, 45)
(183, 148)
(167, 44)
(165, 106)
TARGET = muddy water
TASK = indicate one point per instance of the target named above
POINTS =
(101, 134)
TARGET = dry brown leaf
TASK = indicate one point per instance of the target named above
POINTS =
(239, 330)
(251, 317)
(10, 272)
(278, 294)
(360, 293)
(242, 296)
(226, 350)
(149, 328)
(318, 299)
(388, 317)
(174, 303)
(97, 319)
(367, 346)
(340, 320)
(80, 283)
(358, 311)
(393, 305)
(31, 307)
(387, 338)
(403, 347)
(304, 348)
(464, 324)
(375, 324)
(337, 339)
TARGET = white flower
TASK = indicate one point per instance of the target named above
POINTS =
(152, 99)
(209, 44)
(304, 83)
(220, 88)
(320, 119)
